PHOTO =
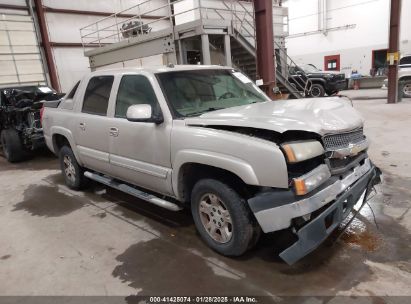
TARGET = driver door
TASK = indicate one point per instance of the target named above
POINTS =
(139, 151)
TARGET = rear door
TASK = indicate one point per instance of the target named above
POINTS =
(139, 151)
(92, 125)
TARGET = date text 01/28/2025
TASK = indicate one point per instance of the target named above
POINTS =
(204, 299)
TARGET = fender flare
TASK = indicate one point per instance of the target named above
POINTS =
(404, 78)
(55, 130)
(318, 80)
(237, 166)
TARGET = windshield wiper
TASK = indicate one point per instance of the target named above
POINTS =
(204, 111)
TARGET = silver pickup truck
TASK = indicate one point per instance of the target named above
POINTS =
(207, 138)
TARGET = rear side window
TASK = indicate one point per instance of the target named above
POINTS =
(405, 60)
(97, 95)
(135, 89)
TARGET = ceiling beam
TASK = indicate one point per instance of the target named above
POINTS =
(48, 9)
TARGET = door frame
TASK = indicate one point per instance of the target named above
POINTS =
(332, 57)
(373, 56)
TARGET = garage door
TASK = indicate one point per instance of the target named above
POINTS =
(20, 59)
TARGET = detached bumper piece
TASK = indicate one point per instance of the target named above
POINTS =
(318, 229)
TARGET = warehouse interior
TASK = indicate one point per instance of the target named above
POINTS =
(118, 241)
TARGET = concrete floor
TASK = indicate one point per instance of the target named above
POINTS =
(54, 241)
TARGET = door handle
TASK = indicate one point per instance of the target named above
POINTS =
(114, 132)
(82, 126)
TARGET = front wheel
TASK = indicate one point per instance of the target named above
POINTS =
(223, 218)
(317, 90)
(73, 173)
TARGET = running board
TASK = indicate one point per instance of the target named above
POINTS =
(133, 191)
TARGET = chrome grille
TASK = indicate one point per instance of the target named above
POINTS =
(343, 140)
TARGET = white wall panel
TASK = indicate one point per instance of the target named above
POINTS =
(20, 60)
(405, 30)
(14, 2)
(66, 27)
(71, 65)
(7, 67)
(355, 46)
(370, 19)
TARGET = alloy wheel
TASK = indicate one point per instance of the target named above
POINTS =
(315, 92)
(216, 218)
(69, 169)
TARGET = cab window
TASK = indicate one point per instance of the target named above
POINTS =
(135, 89)
(97, 95)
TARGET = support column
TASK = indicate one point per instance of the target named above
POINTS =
(393, 51)
(169, 58)
(227, 50)
(46, 45)
(205, 49)
(265, 44)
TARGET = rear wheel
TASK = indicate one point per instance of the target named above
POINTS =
(317, 90)
(405, 89)
(73, 173)
(12, 146)
(223, 218)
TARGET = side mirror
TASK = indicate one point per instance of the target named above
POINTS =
(143, 113)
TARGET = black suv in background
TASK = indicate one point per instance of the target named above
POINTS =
(323, 82)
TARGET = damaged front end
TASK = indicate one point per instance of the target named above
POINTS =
(20, 110)
(317, 201)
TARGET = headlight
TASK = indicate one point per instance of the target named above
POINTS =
(308, 182)
(300, 151)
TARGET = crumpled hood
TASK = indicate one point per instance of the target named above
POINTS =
(318, 115)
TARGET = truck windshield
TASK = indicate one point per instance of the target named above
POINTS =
(192, 93)
(309, 68)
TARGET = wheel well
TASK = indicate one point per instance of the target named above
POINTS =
(191, 173)
(316, 81)
(405, 78)
(59, 141)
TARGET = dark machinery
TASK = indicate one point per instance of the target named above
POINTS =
(134, 29)
(20, 125)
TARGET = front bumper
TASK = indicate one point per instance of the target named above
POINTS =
(341, 195)
(336, 86)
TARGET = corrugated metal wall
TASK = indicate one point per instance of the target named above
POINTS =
(20, 57)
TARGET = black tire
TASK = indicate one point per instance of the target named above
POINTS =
(12, 147)
(244, 229)
(405, 89)
(317, 90)
(74, 174)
